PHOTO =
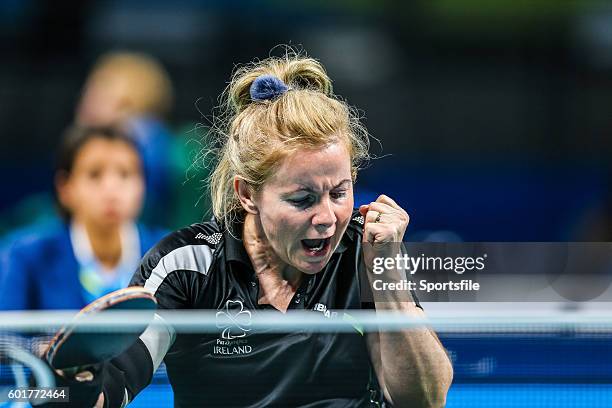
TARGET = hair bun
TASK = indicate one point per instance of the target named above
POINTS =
(267, 87)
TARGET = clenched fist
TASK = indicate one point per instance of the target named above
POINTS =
(385, 221)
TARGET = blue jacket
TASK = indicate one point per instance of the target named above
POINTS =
(39, 269)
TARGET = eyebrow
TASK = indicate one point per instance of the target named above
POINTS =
(304, 187)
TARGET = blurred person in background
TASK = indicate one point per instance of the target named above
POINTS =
(123, 88)
(123, 85)
(95, 250)
(136, 90)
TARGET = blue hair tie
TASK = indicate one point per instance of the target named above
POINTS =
(267, 87)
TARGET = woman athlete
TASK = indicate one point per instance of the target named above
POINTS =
(285, 236)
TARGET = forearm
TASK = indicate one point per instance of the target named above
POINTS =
(127, 375)
(414, 365)
(411, 364)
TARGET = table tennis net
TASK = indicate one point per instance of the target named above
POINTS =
(534, 355)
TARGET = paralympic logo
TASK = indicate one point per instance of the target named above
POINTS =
(234, 320)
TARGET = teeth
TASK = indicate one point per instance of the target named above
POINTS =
(315, 244)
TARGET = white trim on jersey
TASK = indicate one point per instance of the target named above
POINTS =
(196, 258)
(158, 339)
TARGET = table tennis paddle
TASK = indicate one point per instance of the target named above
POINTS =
(71, 348)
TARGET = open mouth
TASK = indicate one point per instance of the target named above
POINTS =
(316, 246)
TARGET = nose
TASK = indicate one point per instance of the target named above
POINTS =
(324, 216)
(111, 185)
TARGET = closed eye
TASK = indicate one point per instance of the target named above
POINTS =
(302, 202)
(338, 194)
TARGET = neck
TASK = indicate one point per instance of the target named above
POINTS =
(105, 243)
(278, 281)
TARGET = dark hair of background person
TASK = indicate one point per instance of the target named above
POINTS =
(73, 139)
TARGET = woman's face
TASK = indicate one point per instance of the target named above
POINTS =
(105, 187)
(306, 206)
(104, 99)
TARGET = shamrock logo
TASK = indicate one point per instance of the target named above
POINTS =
(234, 320)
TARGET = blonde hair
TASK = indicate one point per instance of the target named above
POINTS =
(254, 136)
(148, 85)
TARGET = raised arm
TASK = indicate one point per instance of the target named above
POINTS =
(411, 365)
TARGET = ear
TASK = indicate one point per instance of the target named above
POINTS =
(245, 195)
(62, 186)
